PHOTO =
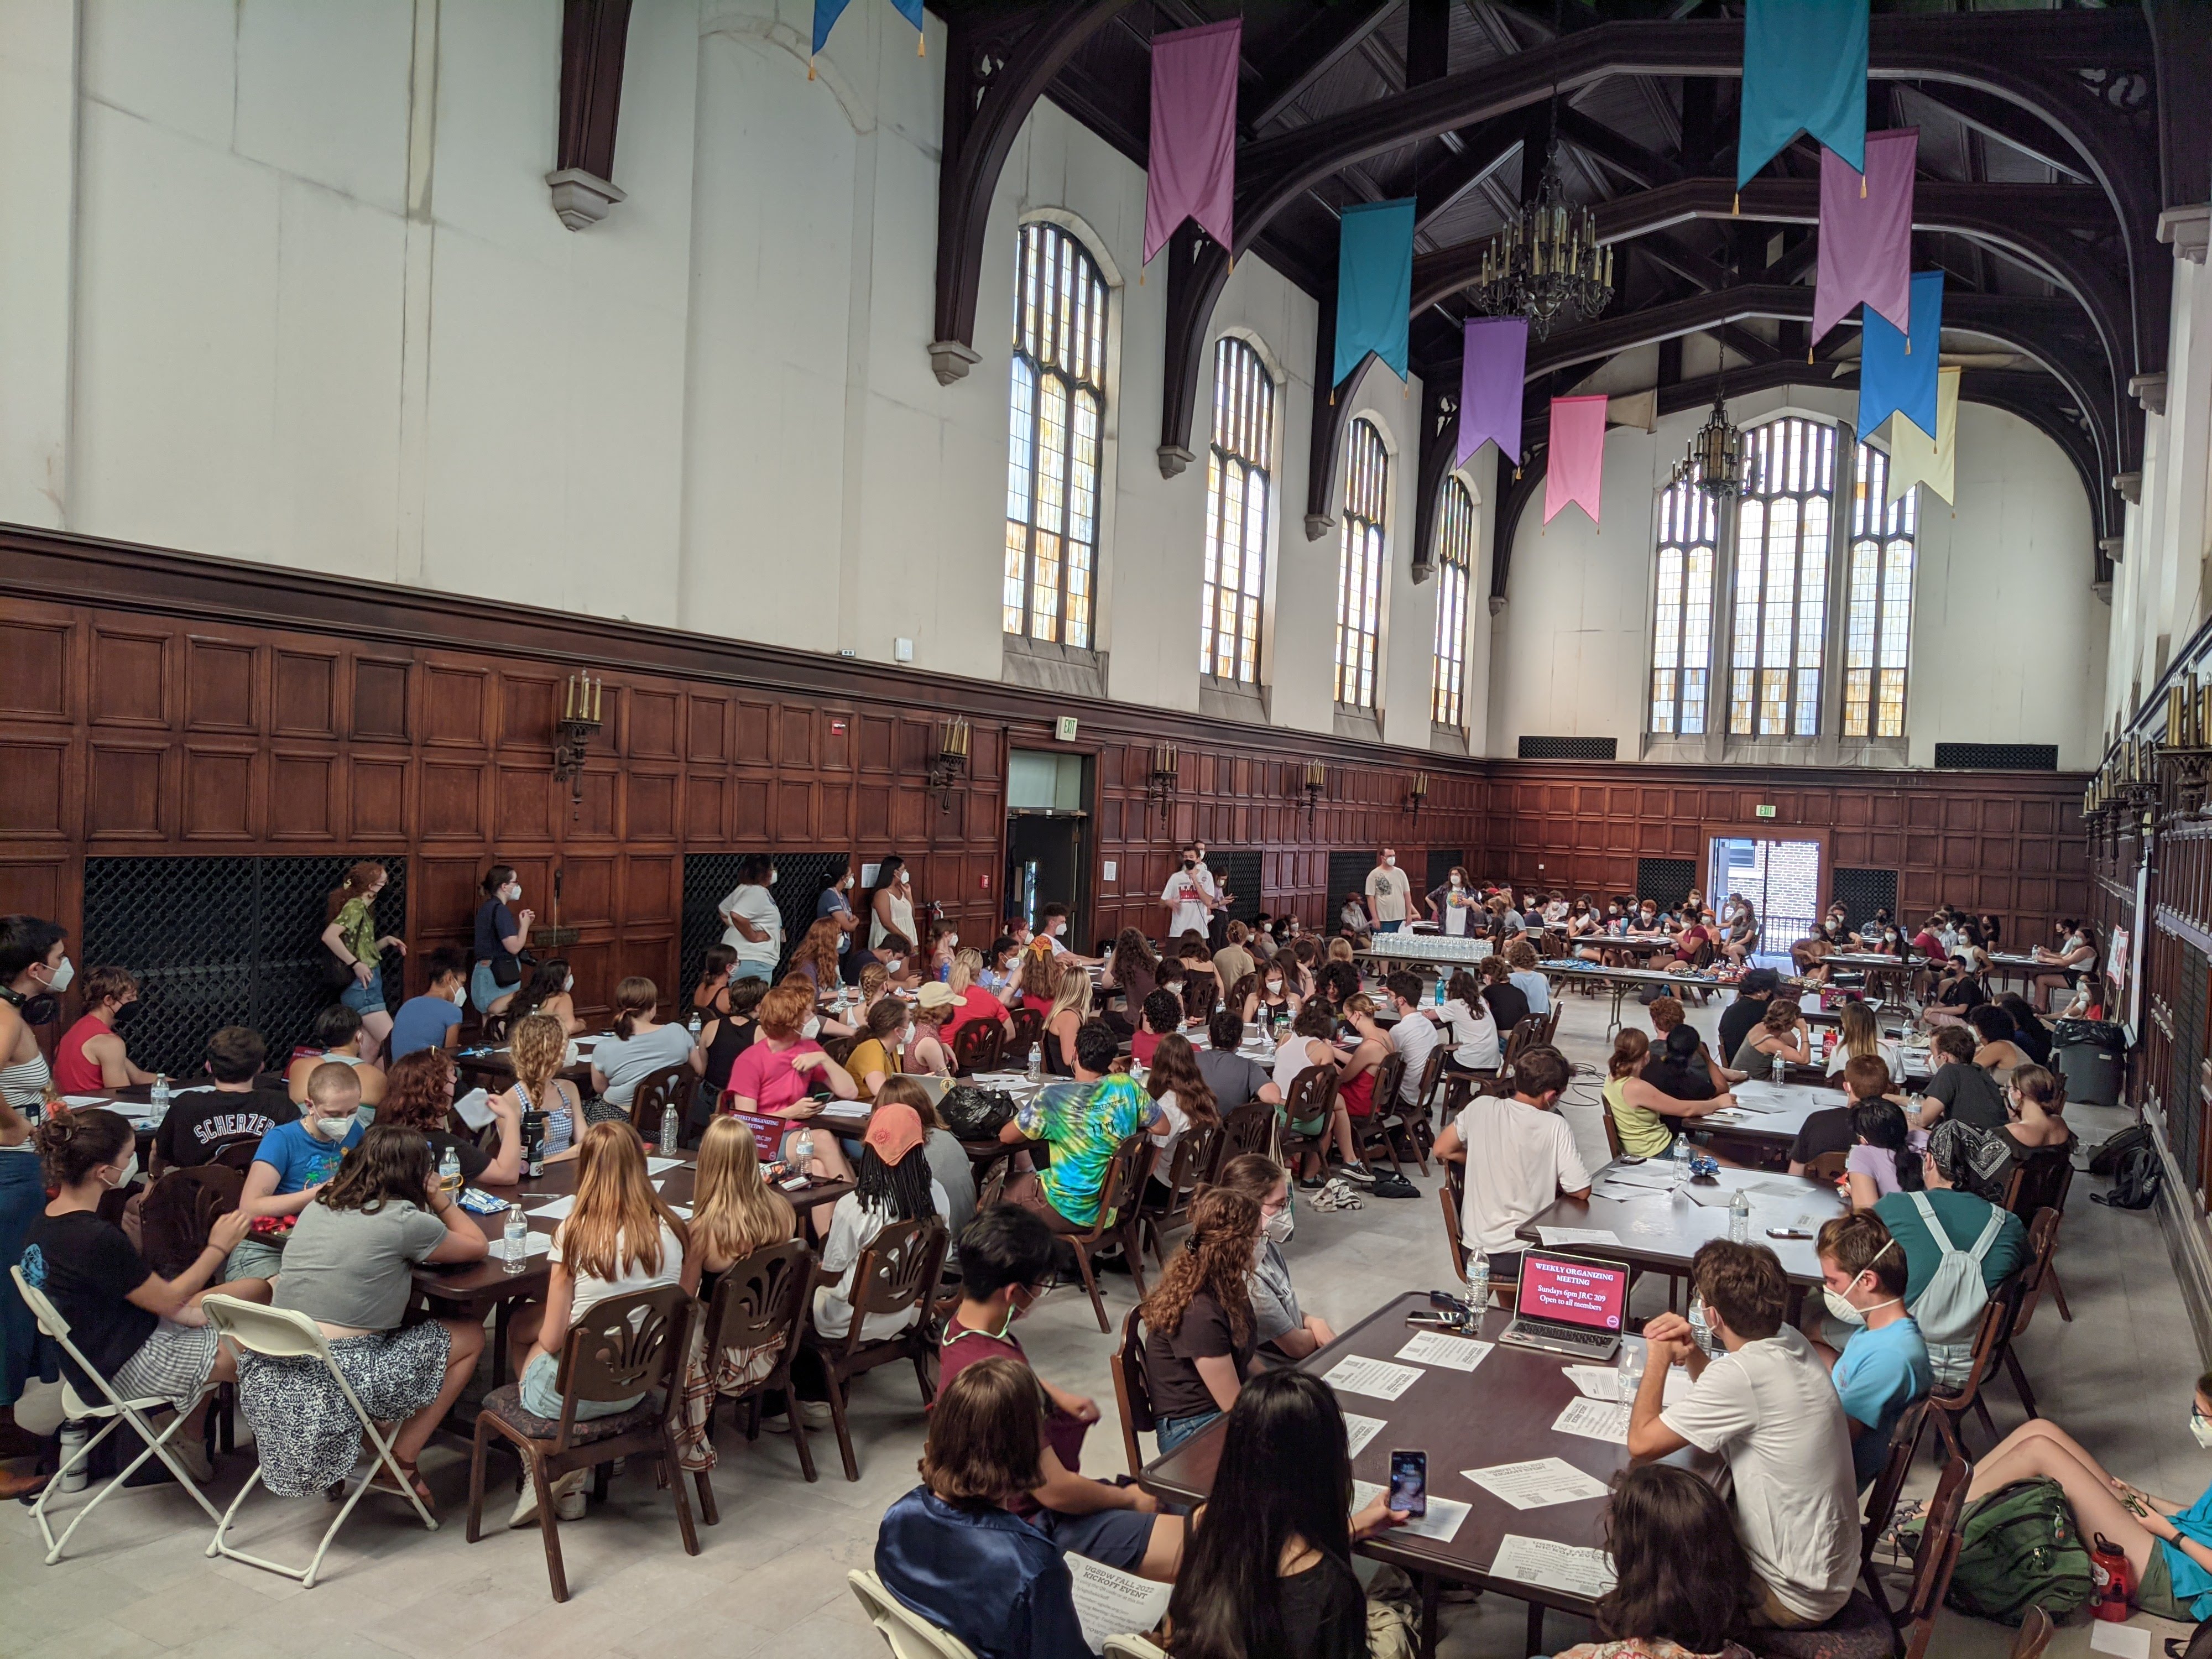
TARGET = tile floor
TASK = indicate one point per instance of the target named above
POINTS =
(771, 1576)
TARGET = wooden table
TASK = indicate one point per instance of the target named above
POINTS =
(1885, 977)
(2008, 968)
(1662, 1230)
(1502, 1412)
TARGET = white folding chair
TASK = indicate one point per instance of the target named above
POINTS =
(1132, 1646)
(910, 1635)
(281, 1333)
(118, 1411)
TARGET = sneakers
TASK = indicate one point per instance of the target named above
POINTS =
(192, 1451)
(568, 1499)
(1359, 1172)
(1310, 1184)
(1336, 1194)
(815, 1413)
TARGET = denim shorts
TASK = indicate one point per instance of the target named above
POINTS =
(365, 1000)
(1172, 1431)
(484, 990)
(742, 969)
(541, 1399)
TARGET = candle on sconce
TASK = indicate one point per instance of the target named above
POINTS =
(598, 699)
(569, 707)
(2177, 717)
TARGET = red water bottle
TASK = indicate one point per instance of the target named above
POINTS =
(2114, 1578)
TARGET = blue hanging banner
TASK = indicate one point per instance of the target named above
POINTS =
(826, 13)
(1804, 70)
(1374, 285)
(909, 9)
(1897, 371)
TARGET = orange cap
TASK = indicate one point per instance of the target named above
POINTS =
(894, 1131)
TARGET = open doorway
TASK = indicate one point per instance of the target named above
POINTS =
(1048, 836)
(1780, 878)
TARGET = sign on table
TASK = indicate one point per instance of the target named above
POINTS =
(1461, 1353)
(1566, 1567)
(1376, 1378)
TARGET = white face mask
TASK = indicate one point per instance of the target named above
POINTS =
(1280, 1225)
(326, 1128)
(2199, 1430)
(460, 996)
(570, 983)
(893, 964)
(1843, 1309)
(1389, 860)
(812, 1027)
(63, 977)
(129, 1173)
(951, 942)
(771, 878)
(846, 885)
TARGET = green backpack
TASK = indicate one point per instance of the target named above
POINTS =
(2019, 1548)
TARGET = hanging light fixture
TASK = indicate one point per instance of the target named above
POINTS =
(1714, 460)
(1547, 265)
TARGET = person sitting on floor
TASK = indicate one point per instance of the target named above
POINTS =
(338, 1038)
(951, 1551)
(236, 1106)
(91, 1058)
(1084, 1122)
(1006, 1268)
(1520, 1156)
(1200, 1332)
(1282, 1326)
(1883, 1366)
(1679, 1575)
(1764, 1401)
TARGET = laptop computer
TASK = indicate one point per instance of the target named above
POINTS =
(1571, 1305)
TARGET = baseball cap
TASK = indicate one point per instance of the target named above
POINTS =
(935, 994)
(894, 1131)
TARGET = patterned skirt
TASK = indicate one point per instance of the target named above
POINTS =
(308, 1434)
(170, 1364)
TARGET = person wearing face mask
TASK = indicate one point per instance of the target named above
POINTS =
(1883, 1367)
(1452, 904)
(1188, 897)
(889, 903)
(502, 932)
(752, 926)
(834, 903)
(91, 1059)
(551, 990)
(293, 1161)
(31, 956)
(1388, 893)
(1274, 999)
(146, 1334)
(432, 1020)
(1282, 1326)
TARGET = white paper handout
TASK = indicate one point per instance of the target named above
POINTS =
(1461, 1353)
(654, 1166)
(1359, 1430)
(1656, 1176)
(1111, 1603)
(475, 1109)
(1553, 1565)
(532, 1245)
(1440, 1522)
(1553, 1237)
(1603, 1383)
(1539, 1483)
(1594, 1420)
(557, 1210)
(1378, 1378)
(2128, 1641)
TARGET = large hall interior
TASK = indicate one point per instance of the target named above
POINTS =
(833, 824)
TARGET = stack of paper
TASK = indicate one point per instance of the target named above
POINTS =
(1461, 1353)
(1554, 1238)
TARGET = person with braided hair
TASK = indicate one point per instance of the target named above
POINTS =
(1200, 1332)
(894, 1183)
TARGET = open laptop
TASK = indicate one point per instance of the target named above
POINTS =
(1569, 1304)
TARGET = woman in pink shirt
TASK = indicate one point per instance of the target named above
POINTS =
(772, 1077)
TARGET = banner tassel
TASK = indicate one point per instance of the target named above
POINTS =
(809, 68)
(921, 49)
(1863, 187)
(1809, 356)
(1736, 208)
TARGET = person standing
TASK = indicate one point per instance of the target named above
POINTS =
(352, 937)
(832, 905)
(752, 926)
(501, 934)
(890, 903)
(1190, 899)
(34, 969)
(1389, 891)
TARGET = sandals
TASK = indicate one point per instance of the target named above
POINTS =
(382, 1481)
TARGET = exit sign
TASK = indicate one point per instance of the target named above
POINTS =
(1763, 811)
(1065, 728)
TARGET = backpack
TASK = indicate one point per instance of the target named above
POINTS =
(1949, 1306)
(2019, 1548)
(974, 1114)
(2105, 1160)
(2135, 1182)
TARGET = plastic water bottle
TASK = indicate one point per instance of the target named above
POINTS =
(514, 1242)
(1037, 1061)
(161, 1097)
(1739, 1217)
(1478, 1277)
(696, 1022)
(802, 1151)
(1701, 1333)
(1440, 990)
(671, 1130)
(449, 1169)
(73, 1437)
(1779, 1069)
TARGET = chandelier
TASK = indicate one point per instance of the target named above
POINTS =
(1714, 460)
(1548, 264)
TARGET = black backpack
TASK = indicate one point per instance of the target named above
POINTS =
(2137, 1180)
(974, 1114)
(2105, 1160)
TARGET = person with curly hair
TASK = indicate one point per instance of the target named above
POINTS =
(419, 1095)
(817, 955)
(1163, 1018)
(1200, 1332)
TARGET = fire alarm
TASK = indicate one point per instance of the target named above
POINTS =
(986, 883)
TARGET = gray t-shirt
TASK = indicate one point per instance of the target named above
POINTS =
(625, 1062)
(1274, 1304)
(356, 1267)
(951, 1167)
(1233, 1078)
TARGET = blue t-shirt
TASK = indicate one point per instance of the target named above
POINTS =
(1878, 1374)
(422, 1023)
(832, 904)
(1534, 987)
(495, 925)
(302, 1160)
(2192, 1584)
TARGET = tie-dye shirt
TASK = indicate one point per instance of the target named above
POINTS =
(1083, 1123)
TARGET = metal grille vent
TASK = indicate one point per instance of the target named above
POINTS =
(1442, 860)
(1997, 756)
(1347, 873)
(1239, 873)
(1667, 880)
(1597, 748)
(1863, 892)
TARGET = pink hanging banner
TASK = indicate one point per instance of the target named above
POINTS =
(1191, 173)
(1575, 470)
(1866, 231)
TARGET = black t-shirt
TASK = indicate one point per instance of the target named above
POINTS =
(2035, 1041)
(1171, 1362)
(203, 1120)
(1825, 1131)
(474, 1160)
(87, 1269)
(1737, 1020)
(1324, 1610)
(1969, 1094)
(1509, 1007)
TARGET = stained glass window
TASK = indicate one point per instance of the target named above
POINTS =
(1454, 567)
(1359, 566)
(1682, 610)
(1239, 481)
(1782, 580)
(1056, 409)
(1878, 601)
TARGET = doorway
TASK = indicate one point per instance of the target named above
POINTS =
(1048, 836)
(1781, 878)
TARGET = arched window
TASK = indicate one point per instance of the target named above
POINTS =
(1878, 598)
(1239, 479)
(1782, 580)
(1682, 610)
(1359, 566)
(1455, 561)
(1059, 404)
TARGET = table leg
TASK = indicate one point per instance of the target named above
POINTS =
(1431, 1591)
(1535, 1628)
(1620, 990)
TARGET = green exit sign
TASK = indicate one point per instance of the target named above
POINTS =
(1763, 811)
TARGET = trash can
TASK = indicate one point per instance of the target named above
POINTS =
(2090, 1054)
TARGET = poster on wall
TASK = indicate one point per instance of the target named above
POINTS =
(2133, 938)
(2117, 969)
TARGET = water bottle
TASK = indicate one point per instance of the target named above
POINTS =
(1440, 990)
(1779, 1069)
(1701, 1333)
(533, 1143)
(802, 1152)
(449, 1169)
(1739, 1217)
(514, 1242)
(696, 1022)
(1478, 1277)
(73, 1437)
(1037, 1061)
(161, 1097)
(672, 1129)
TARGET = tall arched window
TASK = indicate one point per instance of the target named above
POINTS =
(1239, 474)
(1359, 566)
(1682, 610)
(1059, 405)
(1782, 580)
(1455, 561)
(1878, 598)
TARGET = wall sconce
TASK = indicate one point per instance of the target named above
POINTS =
(1316, 785)
(580, 709)
(951, 760)
(1416, 792)
(1166, 773)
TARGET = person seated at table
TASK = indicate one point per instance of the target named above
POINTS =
(1695, 945)
(1857, 1033)
(1520, 1157)
(1309, 1044)
(1070, 1011)
(1967, 951)
(1305, 958)
(1957, 989)
(620, 1237)
(1948, 1217)
(1681, 1070)
(1336, 984)
(952, 1550)
(1180, 1090)
(1006, 1267)
(2028, 1031)
(1958, 1089)
(1880, 1161)
(972, 1001)
(1645, 1118)
(1781, 1032)
(1355, 1076)
(1131, 967)
(816, 956)
(1203, 988)
(1351, 922)
(2075, 954)
(875, 1057)
(551, 989)
(927, 1052)
(1468, 1028)
(1753, 992)
(1521, 959)
(421, 1098)
(1268, 1567)
(1282, 1327)
(774, 1075)
(891, 956)
(1996, 1052)
(339, 1039)
(1038, 979)
(1413, 1036)
(235, 1106)
(1084, 1121)
(349, 1267)
(894, 1182)
(2033, 1100)
(711, 996)
(722, 1039)
(1161, 1016)
(1765, 1402)
(1001, 965)
(1274, 998)
(640, 1046)
(432, 1020)
(1232, 1076)
(146, 1334)
(538, 1050)
(944, 944)
(1882, 1367)
(949, 1161)
(1508, 1003)
(292, 1163)
(1200, 1333)
(1830, 1129)
(91, 1058)
(1680, 1578)
(1585, 931)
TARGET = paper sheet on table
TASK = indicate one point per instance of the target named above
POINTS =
(1603, 1383)
(557, 1210)
(682, 1211)
(1555, 1566)
(1594, 1420)
(1553, 1237)
(1461, 1353)
(1787, 1189)
(654, 1166)
(2128, 1641)
(1376, 1378)
(1614, 1192)
(532, 1245)
(1111, 1603)
(1712, 1198)
(1359, 1430)
(1538, 1484)
(81, 1102)
(1440, 1522)
(1659, 1175)
(475, 1109)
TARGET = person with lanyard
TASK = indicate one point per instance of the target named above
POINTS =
(1388, 893)
(34, 970)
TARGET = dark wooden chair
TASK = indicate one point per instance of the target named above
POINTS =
(1421, 1116)
(1882, 1496)
(1381, 1125)
(1028, 1027)
(1949, 1404)
(623, 1346)
(1313, 1093)
(1249, 1128)
(1165, 1203)
(1452, 1195)
(494, 1028)
(2042, 1242)
(2035, 1634)
(898, 1270)
(762, 1302)
(979, 1046)
(1526, 1035)
(1132, 1393)
(670, 1085)
(1828, 1167)
(1613, 1145)
(1119, 1191)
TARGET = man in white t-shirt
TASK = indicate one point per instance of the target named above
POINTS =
(1189, 900)
(1415, 1034)
(751, 925)
(1388, 890)
(1520, 1156)
(1765, 1401)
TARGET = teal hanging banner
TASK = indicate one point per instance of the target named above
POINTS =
(1374, 285)
(1897, 371)
(827, 12)
(1804, 70)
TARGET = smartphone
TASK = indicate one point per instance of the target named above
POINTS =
(1409, 1482)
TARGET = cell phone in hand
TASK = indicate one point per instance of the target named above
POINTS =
(1409, 1482)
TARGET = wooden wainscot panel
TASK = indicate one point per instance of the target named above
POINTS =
(794, 813)
(303, 798)
(450, 887)
(704, 807)
(653, 724)
(379, 699)
(32, 800)
(303, 700)
(219, 678)
(455, 703)
(219, 791)
(593, 820)
(749, 743)
(587, 891)
(522, 804)
(710, 728)
(378, 798)
(35, 671)
(452, 801)
(528, 705)
(124, 797)
(649, 806)
(33, 888)
(653, 890)
(130, 678)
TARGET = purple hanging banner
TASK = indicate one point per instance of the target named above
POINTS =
(1494, 364)
(1866, 231)
(1191, 170)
